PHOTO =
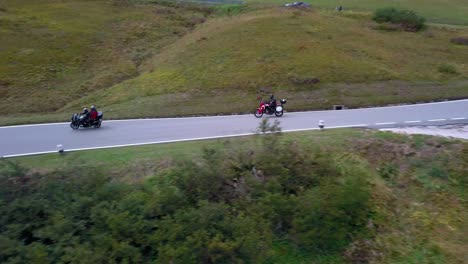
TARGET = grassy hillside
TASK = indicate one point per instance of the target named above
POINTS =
(437, 11)
(215, 201)
(276, 50)
(53, 52)
(171, 59)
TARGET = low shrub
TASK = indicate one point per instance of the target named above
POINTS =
(303, 80)
(429, 34)
(387, 27)
(388, 171)
(447, 68)
(230, 10)
(362, 251)
(460, 40)
(406, 19)
(331, 215)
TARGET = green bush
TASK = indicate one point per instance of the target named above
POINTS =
(460, 41)
(230, 10)
(388, 171)
(447, 68)
(332, 215)
(406, 19)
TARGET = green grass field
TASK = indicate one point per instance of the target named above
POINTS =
(160, 60)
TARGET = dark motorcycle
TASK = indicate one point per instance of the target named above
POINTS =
(78, 121)
(270, 108)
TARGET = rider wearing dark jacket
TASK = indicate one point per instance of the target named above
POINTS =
(272, 103)
(85, 114)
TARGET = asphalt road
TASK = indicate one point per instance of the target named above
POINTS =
(43, 138)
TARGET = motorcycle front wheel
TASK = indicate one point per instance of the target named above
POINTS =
(258, 113)
(74, 125)
(278, 114)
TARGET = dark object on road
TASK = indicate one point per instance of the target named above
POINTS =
(339, 8)
(78, 121)
(270, 108)
(297, 4)
(338, 107)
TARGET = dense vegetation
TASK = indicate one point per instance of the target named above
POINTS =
(405, 19)
(161, 58)
(268, 199)
(227, 207)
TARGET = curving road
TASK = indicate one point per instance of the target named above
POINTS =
(43, 138)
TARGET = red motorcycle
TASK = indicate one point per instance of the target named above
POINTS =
(270, 108)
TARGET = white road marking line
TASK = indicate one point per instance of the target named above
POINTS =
(30, 154)
(31, 125)
(458, 118)
(386, 123)
(414, 121)
(172, 141)
(436, 120)
(316, 128)
(390, 106)
(127, 145)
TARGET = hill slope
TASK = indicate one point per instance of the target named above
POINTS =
(283, 50)
(55, 51)
(165, 60)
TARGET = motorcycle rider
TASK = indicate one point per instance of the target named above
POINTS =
(85, 114)
(93, 114)
(272, 103)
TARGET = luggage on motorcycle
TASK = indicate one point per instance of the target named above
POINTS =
(100, 114)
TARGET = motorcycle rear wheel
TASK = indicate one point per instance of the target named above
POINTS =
(279, 114)
(75, 126)
(258, 113)
(97, 124)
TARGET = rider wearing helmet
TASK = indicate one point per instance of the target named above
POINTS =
(93, 114)
(85, 114)
(272, 103)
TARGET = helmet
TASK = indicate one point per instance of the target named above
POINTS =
(93, 107)
(85, 109)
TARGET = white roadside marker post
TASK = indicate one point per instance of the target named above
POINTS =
(60, 148)
(321, 125)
